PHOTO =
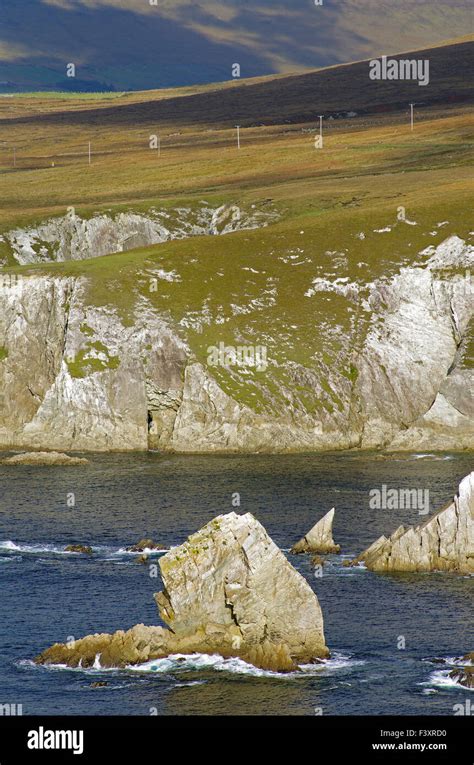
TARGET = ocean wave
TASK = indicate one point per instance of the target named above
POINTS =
(441, 679)
(191, 684)
(32, 549)
(200, 661)
(145, 551)
(434, 457)
(451, 661)
(110, 553)
(96, 669)
(207, 662)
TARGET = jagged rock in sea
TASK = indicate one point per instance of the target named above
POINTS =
(44, 458)
(444, 542)
(78, 548)
(465, 675)
(229, 590)
(319, 539)
(145, 544)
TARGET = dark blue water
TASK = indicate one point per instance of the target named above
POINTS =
(48, 596)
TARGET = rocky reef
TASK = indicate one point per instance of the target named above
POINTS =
(444, 542)
(145, 545)
(78, 548)
(229, 590)
(319, 539)
(44, 458)
(465, 675)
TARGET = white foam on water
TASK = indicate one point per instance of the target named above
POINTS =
(191, 684)
(334, 566)
(452, 661)
(145, 551)
(458, 661)
(210, 662)
(215, 662)
(339, 661)
(35, 549)
(434, 457)
(94, 670)
(441, 679)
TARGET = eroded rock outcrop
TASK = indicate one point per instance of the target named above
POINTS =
(319, 539)
(44, 458)
(71, 237)
(229, 590)
(145, 545)
(444, 542)
(78, 548)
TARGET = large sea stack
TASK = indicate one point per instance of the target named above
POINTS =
(444, 542)
(229, 590)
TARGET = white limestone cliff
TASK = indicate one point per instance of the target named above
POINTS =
(75, 376)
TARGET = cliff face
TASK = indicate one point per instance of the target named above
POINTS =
(74, 375)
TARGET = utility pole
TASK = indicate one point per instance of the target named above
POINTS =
(238, 136)
(412, 116)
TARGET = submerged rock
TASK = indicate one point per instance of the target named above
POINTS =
(444, 542)
(85, 549)
(229, 590)
(44, 458)
(465, 675)
(319, 538)
(145, 544)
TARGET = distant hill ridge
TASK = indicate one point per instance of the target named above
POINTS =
(130, 44)
(334, 91)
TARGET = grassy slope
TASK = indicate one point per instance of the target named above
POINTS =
(367, 169)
